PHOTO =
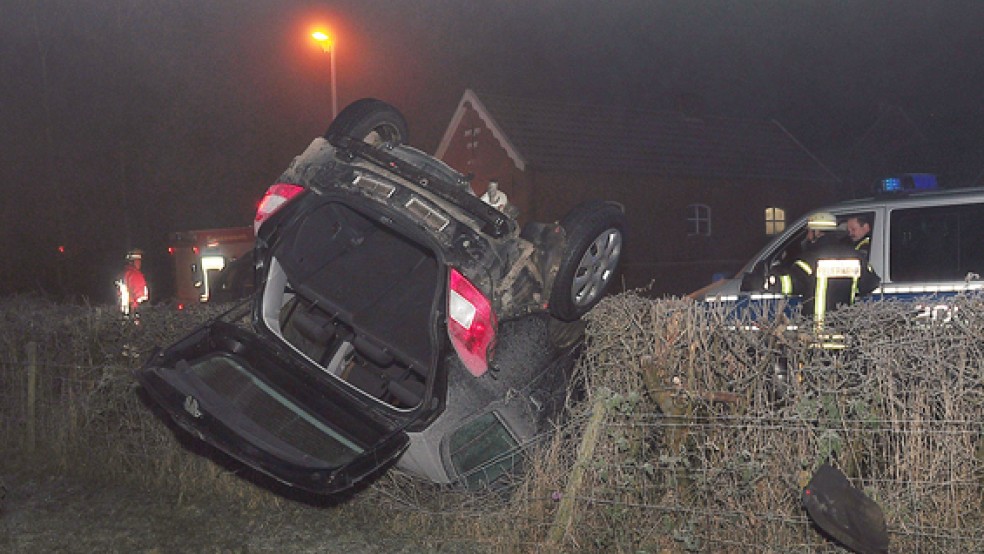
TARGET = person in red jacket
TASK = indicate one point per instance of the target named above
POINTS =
(133, 286)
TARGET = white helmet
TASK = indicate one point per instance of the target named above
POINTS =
(822, 221)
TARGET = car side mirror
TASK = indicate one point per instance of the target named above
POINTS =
(754, 280)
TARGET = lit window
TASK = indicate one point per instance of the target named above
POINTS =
(699, 220)
(775, 221)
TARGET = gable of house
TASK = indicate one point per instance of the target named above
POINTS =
(548, 156)
(569, 137)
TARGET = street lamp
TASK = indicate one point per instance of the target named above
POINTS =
(328, 46)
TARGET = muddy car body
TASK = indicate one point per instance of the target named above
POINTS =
(398, 319)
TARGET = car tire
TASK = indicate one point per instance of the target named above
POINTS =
(372, 121)
(564, 334)
(595, 231)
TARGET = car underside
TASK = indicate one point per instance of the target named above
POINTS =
(394, 310)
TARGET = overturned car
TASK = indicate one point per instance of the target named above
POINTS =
(398, 319)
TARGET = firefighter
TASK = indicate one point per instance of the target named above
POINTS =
(132, 287)
(828, 272)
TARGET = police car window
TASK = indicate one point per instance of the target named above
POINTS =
(788, 251)
(937, 243)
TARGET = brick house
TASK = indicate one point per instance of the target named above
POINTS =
(701, 193)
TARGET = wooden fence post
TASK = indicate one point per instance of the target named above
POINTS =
(565, 512)
(32, 393)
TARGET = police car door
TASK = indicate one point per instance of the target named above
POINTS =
(933, 252)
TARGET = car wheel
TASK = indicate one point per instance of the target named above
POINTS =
(369, 120)
(595, 231)
(563, 334)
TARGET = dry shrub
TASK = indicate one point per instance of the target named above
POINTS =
(706, 429)
(88, 419)
(715, 420)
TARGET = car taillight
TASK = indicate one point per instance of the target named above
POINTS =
(471, 323)
(274, 198)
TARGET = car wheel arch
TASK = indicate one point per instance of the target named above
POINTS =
(594, 239)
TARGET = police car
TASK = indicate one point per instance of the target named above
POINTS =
(926, 243)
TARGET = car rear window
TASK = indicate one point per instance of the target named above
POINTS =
(253, 401)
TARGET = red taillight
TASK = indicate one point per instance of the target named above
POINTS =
(274, 198)
(471, 323)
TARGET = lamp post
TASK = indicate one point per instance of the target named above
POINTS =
(328, 46)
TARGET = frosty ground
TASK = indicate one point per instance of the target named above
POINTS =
(56, 514)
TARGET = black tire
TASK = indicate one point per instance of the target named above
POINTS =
(372, 121)
(595, 231)
(563, 334)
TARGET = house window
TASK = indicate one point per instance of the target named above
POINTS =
(471, 138)
(699, 220)
(775, 221)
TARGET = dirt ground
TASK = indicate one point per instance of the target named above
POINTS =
(55, 514)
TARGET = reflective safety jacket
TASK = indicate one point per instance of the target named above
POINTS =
(864, 247)
(134, 289)
(828, 273)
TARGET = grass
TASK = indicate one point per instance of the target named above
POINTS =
(696, 446)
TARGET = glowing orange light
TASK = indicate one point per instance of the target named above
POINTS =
(323, 38)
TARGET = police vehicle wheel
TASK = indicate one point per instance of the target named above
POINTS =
(595, 231)
(369, 120)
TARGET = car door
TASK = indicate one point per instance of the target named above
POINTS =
(934, 249)
(244, 395)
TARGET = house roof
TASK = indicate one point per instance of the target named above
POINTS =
(570, 137)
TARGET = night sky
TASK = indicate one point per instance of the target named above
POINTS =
(123, 120)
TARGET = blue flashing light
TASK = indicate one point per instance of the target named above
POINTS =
(924, 181)
(891, 184)
(908, 182)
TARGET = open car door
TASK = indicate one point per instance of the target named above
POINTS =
(241, 393)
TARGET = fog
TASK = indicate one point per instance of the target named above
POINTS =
(123, 120)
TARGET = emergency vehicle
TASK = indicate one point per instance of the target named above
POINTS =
(202, 256)
(925, 246)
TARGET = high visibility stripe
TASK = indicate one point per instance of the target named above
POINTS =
(805, 267)
(786, 284)
(820, 300)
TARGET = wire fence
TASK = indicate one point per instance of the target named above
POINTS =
(67, 399)
(713, 423)
(694, 429)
